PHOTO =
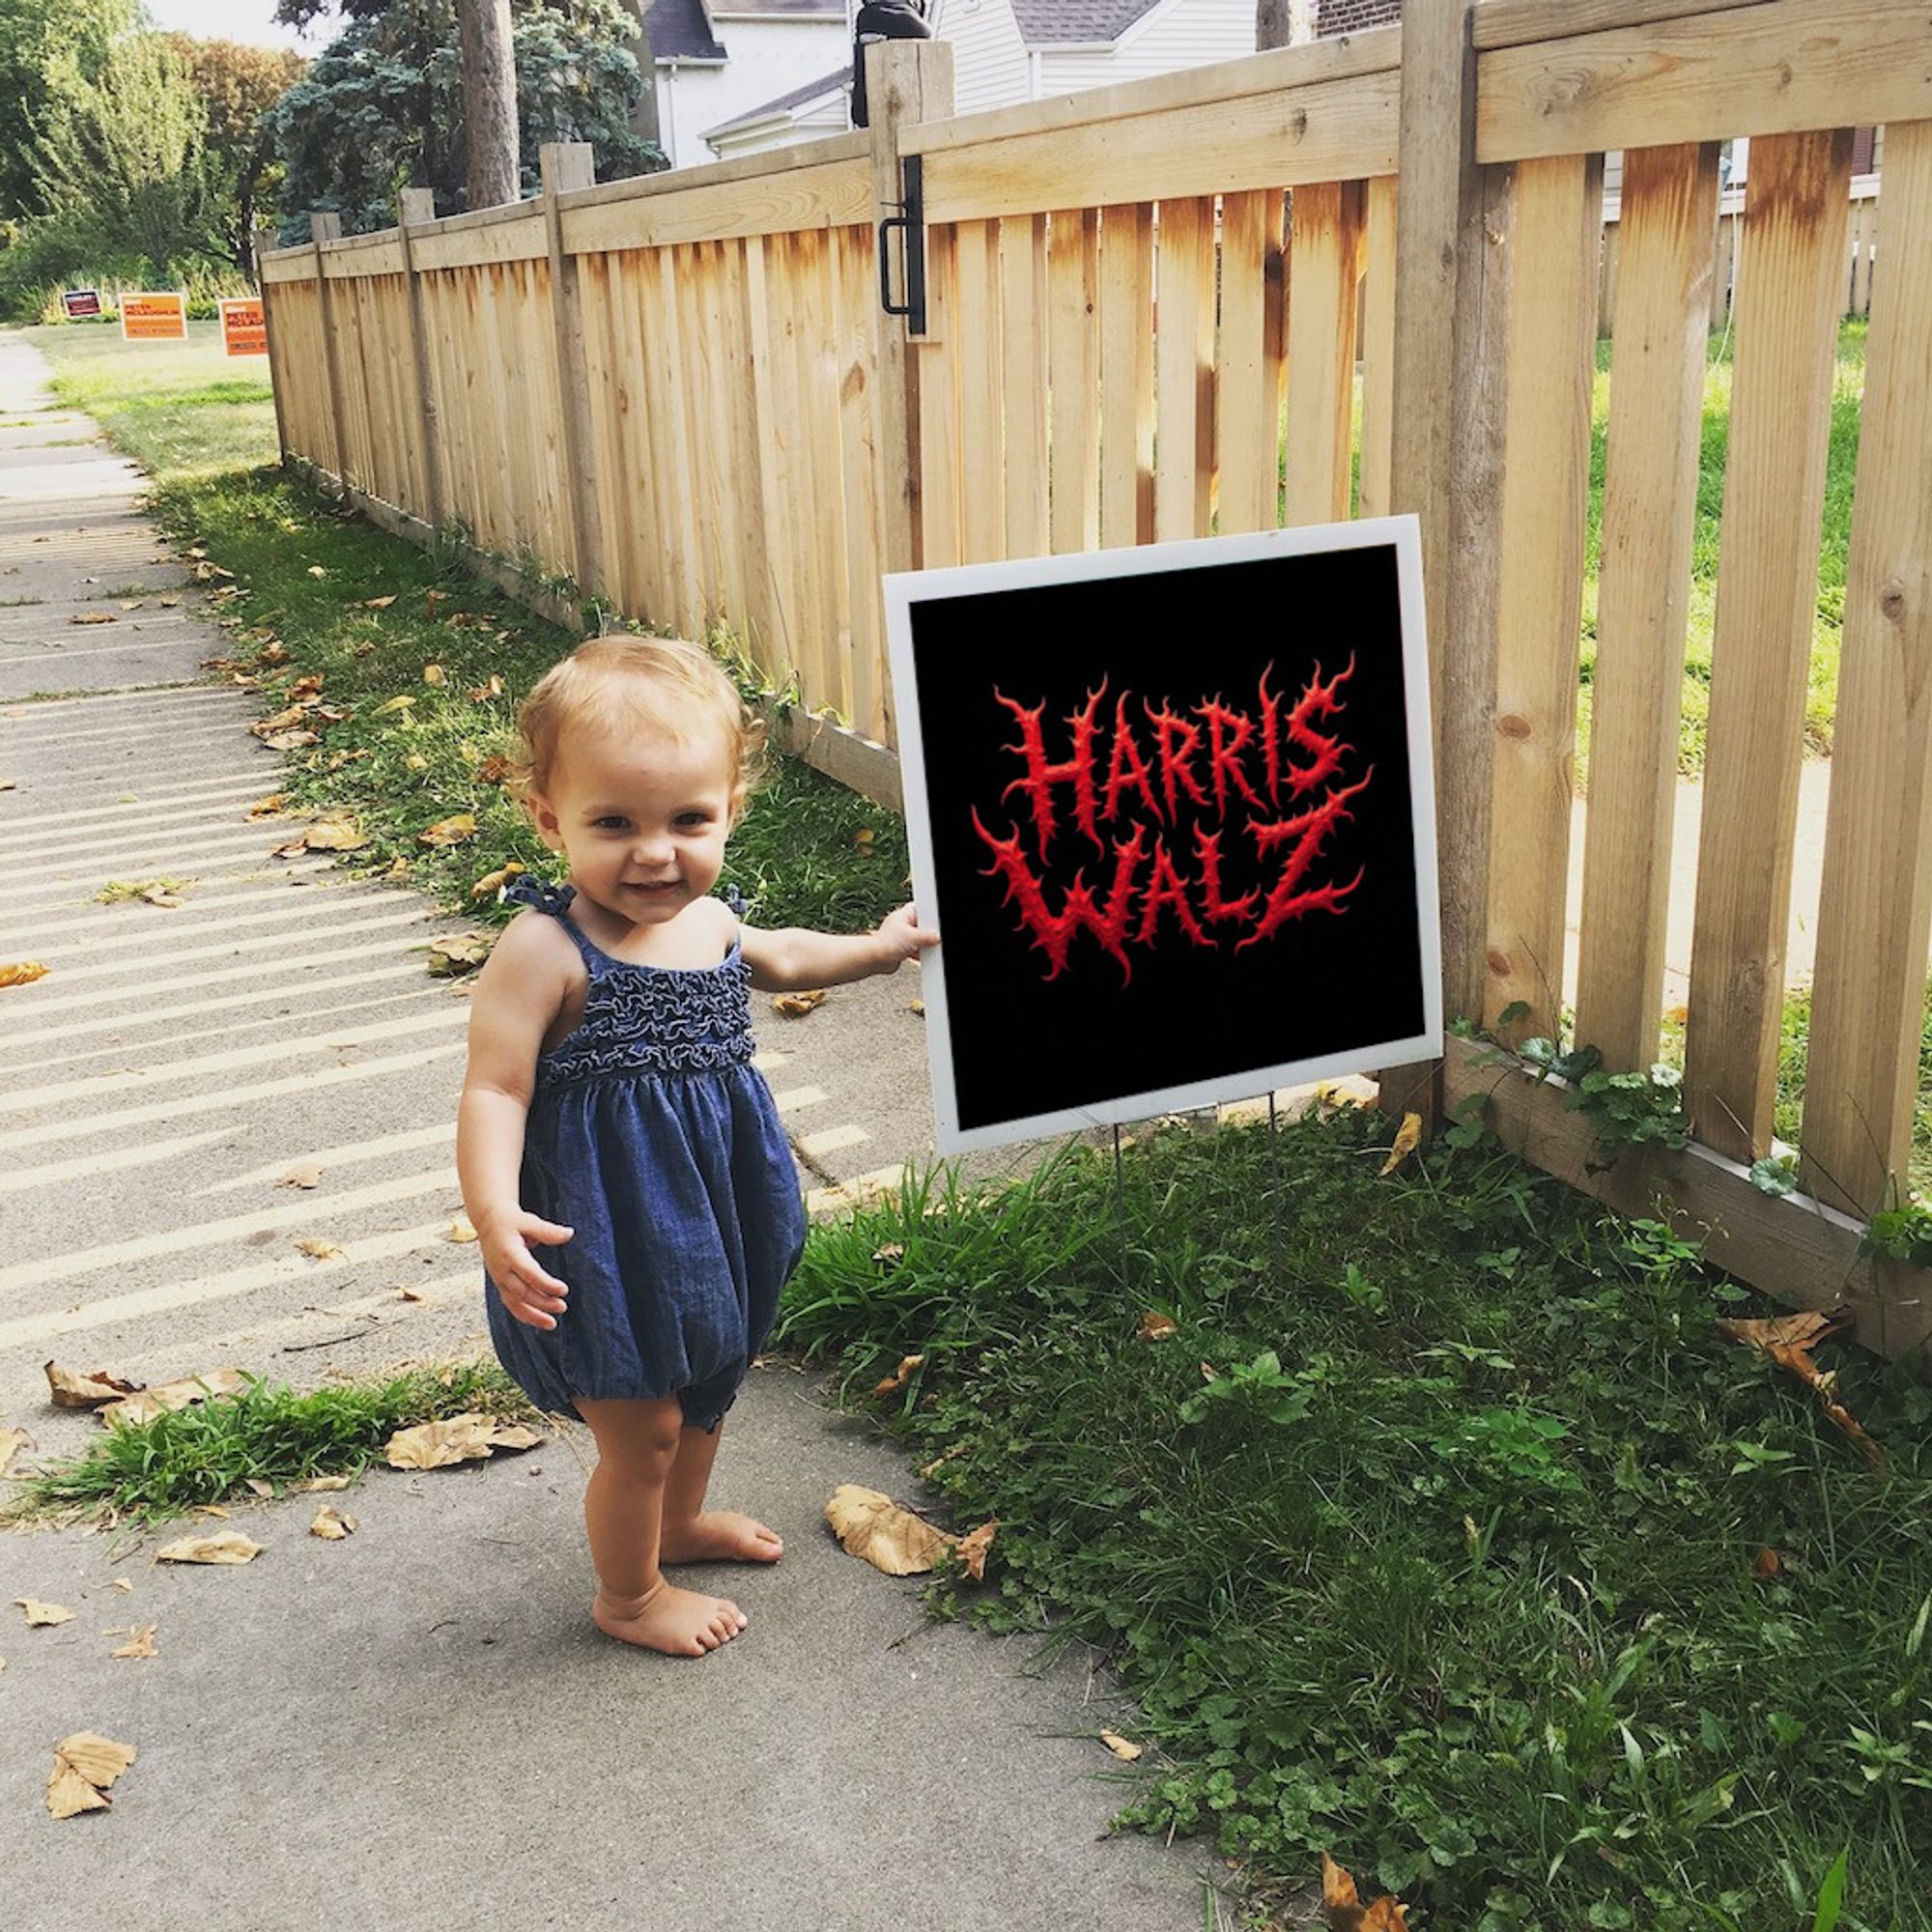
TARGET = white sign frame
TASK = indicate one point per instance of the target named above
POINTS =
(903, 590)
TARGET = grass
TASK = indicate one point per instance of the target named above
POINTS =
(402, 754)
(1841, 466)
(211, 1452)
(1455, 1569)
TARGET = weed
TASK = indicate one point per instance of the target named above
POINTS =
(1456, 1573)
(204, 1454)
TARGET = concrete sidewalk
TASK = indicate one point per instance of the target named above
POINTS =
(417, 1725)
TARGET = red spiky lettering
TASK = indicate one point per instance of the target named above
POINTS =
(1303, 833)
(1176, 741)
(1053, 932)
(1222, 911)
(1167, 888)
(1042, 776)
(1224, 752)
(1318, 698)
(1127, 767)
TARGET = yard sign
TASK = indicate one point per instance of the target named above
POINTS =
(155, 316)
(1172, 811)
(80, 305)
(245, 330)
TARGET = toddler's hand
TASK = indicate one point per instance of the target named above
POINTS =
(531, 1294)
(900, 936)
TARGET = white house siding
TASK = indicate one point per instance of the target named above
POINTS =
(769, 58)
(989, 59)
(1183, 33)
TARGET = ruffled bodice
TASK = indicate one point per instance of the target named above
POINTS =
(644, 1019)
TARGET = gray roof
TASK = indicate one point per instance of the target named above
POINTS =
(680, 31)
(823, 88)
(1092, 21)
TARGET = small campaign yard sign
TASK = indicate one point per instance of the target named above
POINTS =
(155, 316)
(244, 329)
(80, 305)
(1173, 813)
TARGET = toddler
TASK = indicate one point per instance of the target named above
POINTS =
(610, 1112)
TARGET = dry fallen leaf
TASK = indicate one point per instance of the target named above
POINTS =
(305, 1175)
(335, 835)
(483, 693)
(140, 1641)
(1154, 1327)
(461, 1438)
(457, 954)
(402, 701)
(316, 1483)
(873, 1526)
(330, 1524)
(970, 1551)
(1341, 1904)
(316, 570)
(257, 1486)
(897, 1379)
(22, 973)
(85, 1765)
(1788, 1340)
(12, 1442)
(1765, 1564)
(322, 1250)
(493, 883)
(267, 808)
(71, 1389)
(792, 1004)
(451, 830)
(40, 1615)
(94, 617)
(434, 674)
(1121, 1746)
(226, 1546)
(890, 1255)
(916, 1006)
(409, 1295)
(493, 771)
(460, 1230)
(1405, 1144)
(292, 741)
(167, 1397)
(378, 602)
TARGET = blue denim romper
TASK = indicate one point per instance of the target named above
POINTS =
(653, 1136)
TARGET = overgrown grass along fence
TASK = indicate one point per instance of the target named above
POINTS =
(680, 394)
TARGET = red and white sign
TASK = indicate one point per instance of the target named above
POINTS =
(80, 305)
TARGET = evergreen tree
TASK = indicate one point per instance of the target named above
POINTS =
(382, 107)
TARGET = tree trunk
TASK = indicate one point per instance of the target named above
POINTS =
(489, 104)
(1283, 24)
(644, 115)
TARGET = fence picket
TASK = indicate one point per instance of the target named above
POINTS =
(1875, 916)
(1379, 344)
(1546, 485)
(1325, 242)
(1247, 391)
(1786, 323)
(1073, 337)
(1650, 494)
(982, 480)
(1126, 375)
(1184, 479)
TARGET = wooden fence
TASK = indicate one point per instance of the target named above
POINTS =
(683, 393)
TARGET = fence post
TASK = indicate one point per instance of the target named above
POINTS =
(567, 166)
(1451, 259)
(261, 242)
(415, 205)
(906, 82)
(325, 226)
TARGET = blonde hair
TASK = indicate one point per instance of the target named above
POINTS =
(650, 684)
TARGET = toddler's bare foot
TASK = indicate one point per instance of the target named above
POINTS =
(721, 1536)
(680, 1623)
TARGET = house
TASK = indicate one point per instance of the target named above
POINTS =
(738, 76)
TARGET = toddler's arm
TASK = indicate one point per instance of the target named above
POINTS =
(793, 957)
(518, 994)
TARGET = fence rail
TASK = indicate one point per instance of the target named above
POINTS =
(1143, 307)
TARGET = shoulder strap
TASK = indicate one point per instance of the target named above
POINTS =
(540, 896)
